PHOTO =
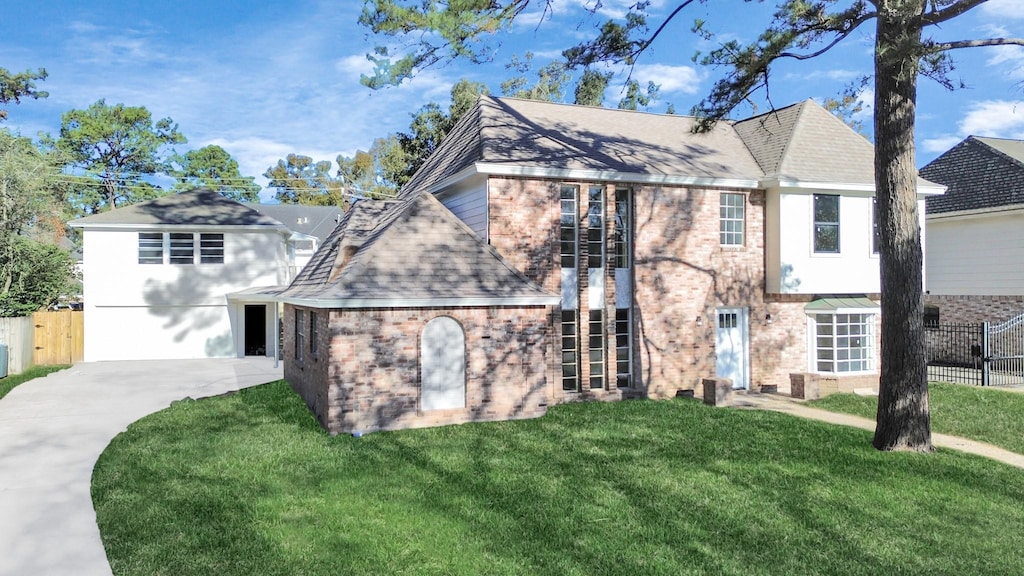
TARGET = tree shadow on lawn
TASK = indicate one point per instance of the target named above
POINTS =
(598, 488)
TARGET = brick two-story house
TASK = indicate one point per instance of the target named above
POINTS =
(665, 255)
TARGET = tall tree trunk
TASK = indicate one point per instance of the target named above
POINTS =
(903, 420)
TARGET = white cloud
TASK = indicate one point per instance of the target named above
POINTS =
(1010, 9)
(941, 144)
(1011, 58)
(684, 79)
(837, 75)
(996, 118)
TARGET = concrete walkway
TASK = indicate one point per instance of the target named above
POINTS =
(52, 431)
(798, 408)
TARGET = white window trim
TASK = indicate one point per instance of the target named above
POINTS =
(812, 341)
(839, 228)
(197, 249)
(742, 219)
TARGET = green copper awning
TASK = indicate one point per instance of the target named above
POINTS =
(843, 305)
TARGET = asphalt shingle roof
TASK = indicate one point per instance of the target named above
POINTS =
(413, 249)
(802, 142)
(201, 207)
(979, 173)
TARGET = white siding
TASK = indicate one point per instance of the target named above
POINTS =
(976, 255)
(469, 204)
(160, 311)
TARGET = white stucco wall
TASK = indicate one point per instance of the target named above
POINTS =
(976, 254)
(164, 311)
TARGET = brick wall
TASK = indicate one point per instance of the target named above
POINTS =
(976, 309)
(370, 378)
(681, 273)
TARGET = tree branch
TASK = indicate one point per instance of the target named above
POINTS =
(954, 10)
(842, 36)
(943, 46)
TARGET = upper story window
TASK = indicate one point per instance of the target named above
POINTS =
(730, 223)
(151, 248)
(211, 248)
(826, 223)
(180, 248)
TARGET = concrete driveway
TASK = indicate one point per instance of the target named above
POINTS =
(52, 431)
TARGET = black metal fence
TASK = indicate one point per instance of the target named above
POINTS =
(955, 352)
(980, 354)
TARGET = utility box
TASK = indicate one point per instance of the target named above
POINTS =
(3, 360)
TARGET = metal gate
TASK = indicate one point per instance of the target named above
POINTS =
(982, 354)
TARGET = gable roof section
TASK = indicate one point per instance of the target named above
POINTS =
(413, 253)
(807, 143)
(561, 140)
(201, 207)
(317, 221)
(979, 173)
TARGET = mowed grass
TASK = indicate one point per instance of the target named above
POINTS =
(11, 382)
(984, 414)
(249, 484)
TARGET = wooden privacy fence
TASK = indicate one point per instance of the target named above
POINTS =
(16, 333)
(58, 337)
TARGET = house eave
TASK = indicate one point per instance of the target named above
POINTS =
(976, 212)
(455, 302)
(859, 187)
(212, 227)
(489, 169)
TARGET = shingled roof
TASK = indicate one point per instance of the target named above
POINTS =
(530, 134)
(979, 173)
(412, 252)
(802, 143)
(806, 143)
(200, 207)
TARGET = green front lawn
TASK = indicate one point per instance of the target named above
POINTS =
(249, 484)
(11, 382)
(984, 414)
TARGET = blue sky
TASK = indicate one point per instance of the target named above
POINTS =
(266, 79)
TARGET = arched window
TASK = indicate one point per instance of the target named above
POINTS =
(443, 365)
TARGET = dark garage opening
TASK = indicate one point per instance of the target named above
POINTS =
(256, 330)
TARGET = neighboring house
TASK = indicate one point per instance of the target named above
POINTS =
(665, 256)
(976, 232)
(184, 276)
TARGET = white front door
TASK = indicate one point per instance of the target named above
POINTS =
(731, 346)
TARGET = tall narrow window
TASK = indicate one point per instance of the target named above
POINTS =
(623, 289)
(595, 285)
(151, 248)
(312, 334)
(211, 248)
(826, 223)
(300, 341)
(730, 223)
(569, 261)
(182, 248)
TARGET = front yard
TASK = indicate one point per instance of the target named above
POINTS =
(249, 484)
(985, 414)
